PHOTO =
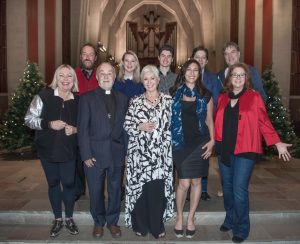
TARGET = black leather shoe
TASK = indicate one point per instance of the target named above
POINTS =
(205, 196)
(56, 228)
(71, 226)
(224, 228)
(237, 239)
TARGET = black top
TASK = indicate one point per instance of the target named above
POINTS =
(190, 127)
(110, 104)
(55, 145)
(230, 129)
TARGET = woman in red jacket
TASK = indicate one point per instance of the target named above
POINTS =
(241, 121)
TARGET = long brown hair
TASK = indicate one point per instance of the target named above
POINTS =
(248, 80)
(180, 80)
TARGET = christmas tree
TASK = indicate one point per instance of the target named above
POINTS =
(13, 133)
(279, 115)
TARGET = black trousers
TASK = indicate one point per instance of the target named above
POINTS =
(96, 180)
(60, 179)
(79, 178)
(147, 215)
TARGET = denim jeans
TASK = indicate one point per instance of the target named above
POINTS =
(204, 182)
(235, 180)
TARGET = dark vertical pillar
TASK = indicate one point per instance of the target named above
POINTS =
(267, 35)
(49, 40)
(249, 32)
(32, 30)
(66, 28)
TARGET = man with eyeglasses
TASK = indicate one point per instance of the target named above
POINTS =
(86, 76)
(102, 145)
(231, 52)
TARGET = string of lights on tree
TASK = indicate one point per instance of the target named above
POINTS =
(279, 115)
(13, 133)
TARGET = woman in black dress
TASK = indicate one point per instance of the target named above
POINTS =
(192, 139)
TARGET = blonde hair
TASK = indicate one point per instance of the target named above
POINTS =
(151, 69)
(136, 72)
(55, 80)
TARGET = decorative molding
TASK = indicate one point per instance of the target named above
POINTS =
(116, 13)
(186, 14)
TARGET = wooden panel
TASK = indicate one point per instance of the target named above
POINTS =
(295, 114)
(234, 21)
(295, 62)
(49, 40)
(66, 28)
(3, 51)
(295, 67)
(267, 43)
(3, 105)
(249, 31)
(32, 30)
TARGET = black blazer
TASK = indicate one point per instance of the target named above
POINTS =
(96, 136)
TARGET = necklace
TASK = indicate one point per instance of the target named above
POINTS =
(152, 100)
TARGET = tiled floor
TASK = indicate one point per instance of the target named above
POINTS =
(274, 188)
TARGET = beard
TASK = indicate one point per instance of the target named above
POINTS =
(87, 64)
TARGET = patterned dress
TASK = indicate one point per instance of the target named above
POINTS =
(149, 154)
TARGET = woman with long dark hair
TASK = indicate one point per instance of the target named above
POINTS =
(192, 139)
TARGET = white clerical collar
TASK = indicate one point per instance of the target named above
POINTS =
(107, 92)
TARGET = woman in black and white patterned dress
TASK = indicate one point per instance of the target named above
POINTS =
(149, 190)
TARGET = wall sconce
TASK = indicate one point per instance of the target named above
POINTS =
(101, 47)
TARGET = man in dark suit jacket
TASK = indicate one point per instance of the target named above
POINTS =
(86, 76)
(231, 52)
(102, 147)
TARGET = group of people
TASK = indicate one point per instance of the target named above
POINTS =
(142, 125)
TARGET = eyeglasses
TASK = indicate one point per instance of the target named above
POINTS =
(242, 75)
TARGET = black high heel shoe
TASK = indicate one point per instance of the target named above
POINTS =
(190, 233)
(178, 233)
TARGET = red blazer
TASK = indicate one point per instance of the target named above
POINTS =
(253, 123)
(85, 85)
